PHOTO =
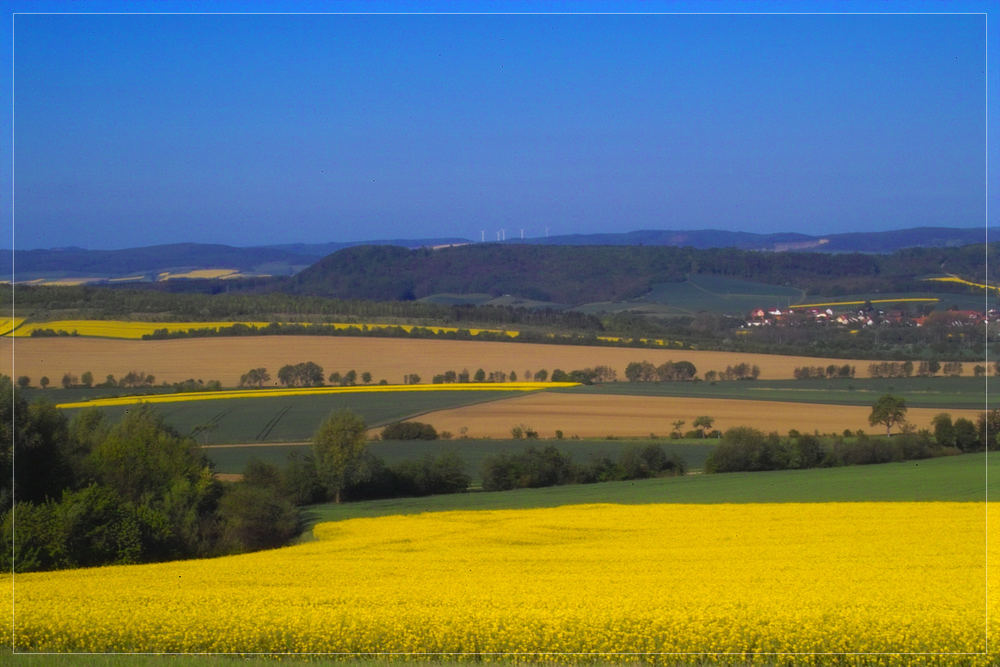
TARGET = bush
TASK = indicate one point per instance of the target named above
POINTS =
(409, 431)
(599, 469)
(256, 517)
(745, 448)
(532, 468)
(640, 462)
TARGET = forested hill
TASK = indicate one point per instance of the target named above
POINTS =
(585, 274)
(869, 242)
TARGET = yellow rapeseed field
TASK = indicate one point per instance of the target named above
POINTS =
(137, 329)
(836, 304)
(8, 324)
(120, 328)
(198, 273)
(961, 281)
(313, 391)
(893, 583)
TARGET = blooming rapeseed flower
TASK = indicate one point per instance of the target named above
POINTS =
(903, 583)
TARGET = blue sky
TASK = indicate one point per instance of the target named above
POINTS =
(243, 129)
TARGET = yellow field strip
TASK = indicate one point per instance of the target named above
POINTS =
(648, 341)
(314, 391)
(860, 303)
(137, 329)
(748, 580)
(198, 273)
(961, 281)
(8, 324)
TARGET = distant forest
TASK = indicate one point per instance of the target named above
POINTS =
(574, 275)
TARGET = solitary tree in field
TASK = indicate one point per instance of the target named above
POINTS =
(889, 411)
(703, 424)
(87, 379)
(24, 382)
(44, 381)
(339, 448)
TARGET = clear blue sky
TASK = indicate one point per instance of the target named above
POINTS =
(142, 129)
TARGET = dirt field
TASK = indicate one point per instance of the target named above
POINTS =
(599, 416)
(226, 359)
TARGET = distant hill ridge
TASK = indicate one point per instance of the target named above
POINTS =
(576, 275)
(290, 259)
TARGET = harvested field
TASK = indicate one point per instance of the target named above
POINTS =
(226, 359)
(596, 416)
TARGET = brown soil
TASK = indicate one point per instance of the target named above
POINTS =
(602, 415)
(226, 359)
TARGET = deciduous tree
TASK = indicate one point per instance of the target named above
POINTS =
(888, 411)
(338, 447)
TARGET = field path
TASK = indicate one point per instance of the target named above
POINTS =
(226, 359)
(597, 416)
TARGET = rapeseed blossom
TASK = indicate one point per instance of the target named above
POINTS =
(898, 583)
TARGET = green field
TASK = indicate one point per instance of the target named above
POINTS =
(964, 301)
(704, 293)
(473, 452)
(952, 478)
(296, 418)
(935, 392)
(720, 294)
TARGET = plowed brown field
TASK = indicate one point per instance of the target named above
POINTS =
(589, 415)
(226, 359)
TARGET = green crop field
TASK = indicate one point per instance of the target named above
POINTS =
(720, 294)
(296, 418)
(473, 452)
(952, 478)
(705, 292)
(964, 301)
(934, 392)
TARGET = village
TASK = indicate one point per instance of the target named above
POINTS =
(866, 314)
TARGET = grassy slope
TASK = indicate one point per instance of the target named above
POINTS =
(955, 478)
(936, 392)
(473, 452)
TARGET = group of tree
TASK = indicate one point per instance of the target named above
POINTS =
(191, 384)
(905, 369)
(963, 434)
(69, 380)
(820, 372)
(547, 466)
(131, 380)
(350, 378)
(91, 492)
(255, 377)
(304, 374)
(741, 371)
(702, 428)
(590, 375)
(668, 371)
